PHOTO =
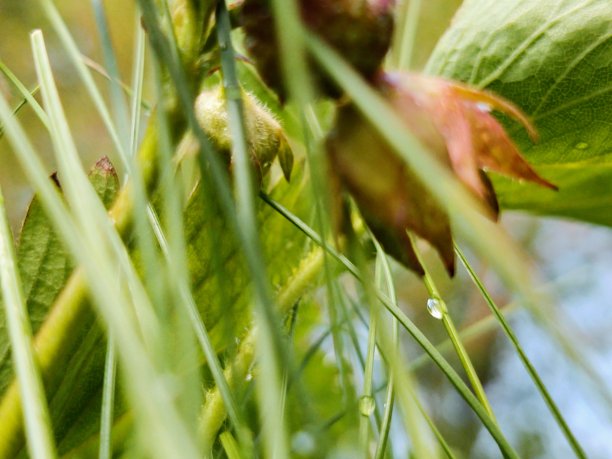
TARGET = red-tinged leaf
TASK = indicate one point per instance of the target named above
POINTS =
(474, 138)
(455, 124)
(456, 128)
(496, 152)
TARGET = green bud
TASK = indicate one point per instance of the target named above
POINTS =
(264, 134)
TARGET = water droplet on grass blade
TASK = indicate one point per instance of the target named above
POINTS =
(434, 308)
(366, 405)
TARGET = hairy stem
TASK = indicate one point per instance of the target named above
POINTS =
(214, 412)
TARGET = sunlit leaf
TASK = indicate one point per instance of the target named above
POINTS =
(554, 60)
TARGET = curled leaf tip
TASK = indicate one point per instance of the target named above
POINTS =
(487, 101)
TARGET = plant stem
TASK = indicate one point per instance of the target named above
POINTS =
(367, 400)
(230, 446)
(552, 406)
(408, 21)
(270, 349)
(214, 412)
(108, 401)
(453, 334)
(411, 328)
(384, 274)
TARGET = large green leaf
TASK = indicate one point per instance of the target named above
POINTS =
(553, 58)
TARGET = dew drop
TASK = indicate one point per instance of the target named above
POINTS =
(304, 443)
(434, 308)
(366, 405)
(249, 377)
(582, 146)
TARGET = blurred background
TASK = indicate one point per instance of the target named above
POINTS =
(568, 340)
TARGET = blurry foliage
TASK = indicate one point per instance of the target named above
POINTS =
(19, 18)
(313, 424)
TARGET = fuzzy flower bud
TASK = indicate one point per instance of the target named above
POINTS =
(264, 135)
(361, 31)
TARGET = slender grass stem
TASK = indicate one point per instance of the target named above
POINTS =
(35, 410)
(385, 284)
(108, 401)
(71, 309)
(367, 402)
(188, 302)
(27, 95)
(118, 103)
(125, 306)
(270, 387)
(391, 352)
(230, 446)
(412, 329)
(71, 47)
(535, 377)
(408, 21)
(136, 103)
(294, 65)
(452, 333)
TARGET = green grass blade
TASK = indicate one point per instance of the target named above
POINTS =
(406, 386)
(367, 402)
(271, 393)
(108, 401)
(535, 377)
(407, 18)
(411, 328)
(119, 106)
(64, 225)
(453, 335)
(137, 85)
(97, 247)
(27, 95)
(214, 177)
(443, 443)
(230, 446)
(93, 65)
(384, 282)
(94, 93)
(88, 210)
(175, 253)
(35, 410)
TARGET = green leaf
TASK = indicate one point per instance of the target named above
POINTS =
(45, 266)
(553, 58)
(283, 248)
(43, 263)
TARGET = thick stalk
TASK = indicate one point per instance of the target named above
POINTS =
(214, 412)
